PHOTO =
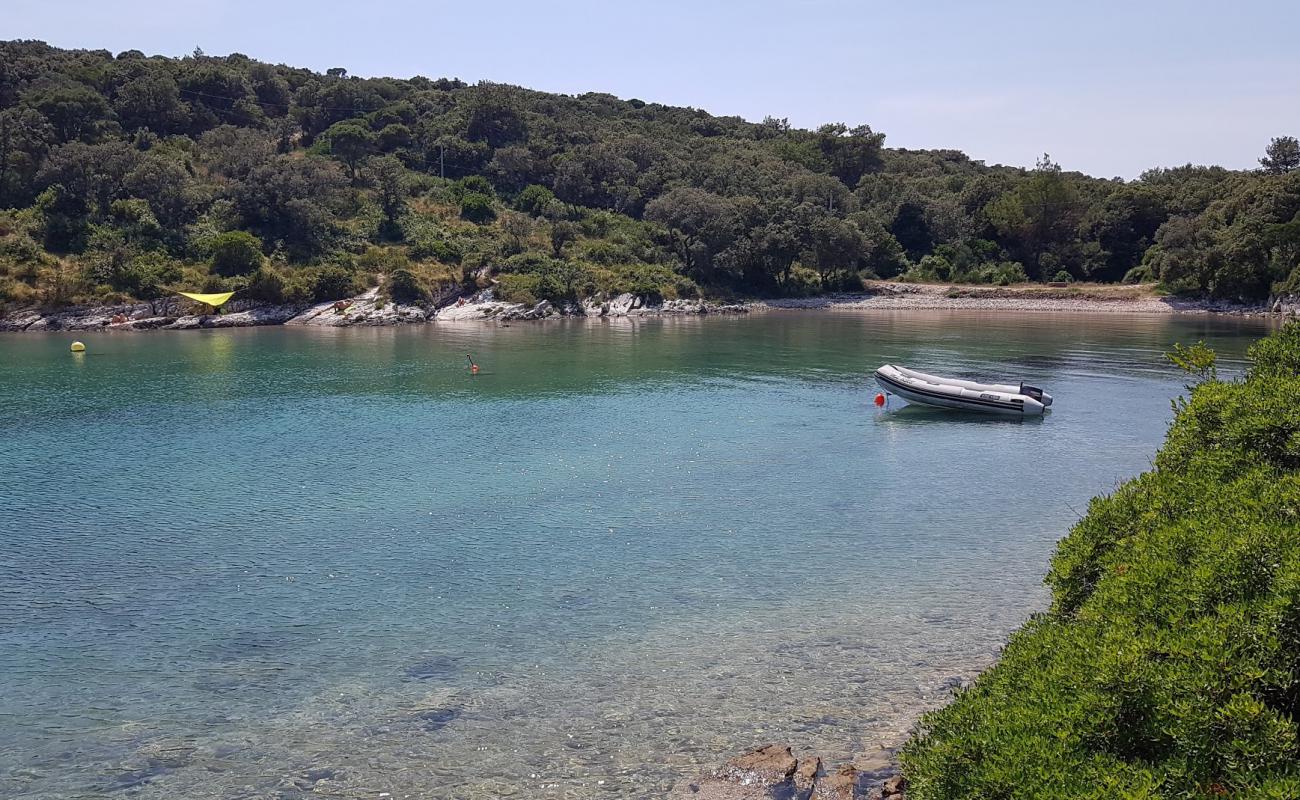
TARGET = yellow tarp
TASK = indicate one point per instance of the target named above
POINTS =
(214, 300)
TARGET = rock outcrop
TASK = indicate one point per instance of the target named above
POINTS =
(772, 772)
(366, 309)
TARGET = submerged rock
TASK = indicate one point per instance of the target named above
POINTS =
(436, 719)
(761, 774)
(433, 667)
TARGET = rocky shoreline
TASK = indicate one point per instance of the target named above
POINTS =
(773, 771)
(372, 309)
(367, 309)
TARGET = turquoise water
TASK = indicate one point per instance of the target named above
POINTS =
(280, 563)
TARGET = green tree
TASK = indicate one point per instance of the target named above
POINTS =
(700, 225)
(1282, 155)
(1040, 217)
(25, 138)
(74, 111)
(236, 253)
(151, 101)
(392, 185)
(350, 142)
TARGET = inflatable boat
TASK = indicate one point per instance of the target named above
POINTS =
(990, 398)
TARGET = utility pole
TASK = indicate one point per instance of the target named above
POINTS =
(442, 167)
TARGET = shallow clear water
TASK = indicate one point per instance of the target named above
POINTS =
(249, 563)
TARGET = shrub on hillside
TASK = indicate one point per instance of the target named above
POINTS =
(1169, 663)
(534, 199)
(477, 208)
(265, 285)
(404, 286)
(333, 283)
(236, 253)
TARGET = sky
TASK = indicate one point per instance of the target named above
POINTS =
(1107, 88)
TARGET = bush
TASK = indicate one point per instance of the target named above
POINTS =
(333, 283)
(518, 288)
(148, 276)
(1003, 274)
(477, 208)
(236, 253)
(1062, 277)
(428, 246)
(472, 184)
(1169, 663)
(404, 286)
(534, 199)
(266, 285)
(1139, 274)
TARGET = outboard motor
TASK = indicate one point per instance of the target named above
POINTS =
(1036, 393)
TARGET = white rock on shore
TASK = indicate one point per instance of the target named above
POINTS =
(368, 309)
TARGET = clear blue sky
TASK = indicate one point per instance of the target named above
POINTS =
(1106, 87)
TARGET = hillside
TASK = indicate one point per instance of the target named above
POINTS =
(130, 176)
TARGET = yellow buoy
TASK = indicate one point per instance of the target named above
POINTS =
(78, 347)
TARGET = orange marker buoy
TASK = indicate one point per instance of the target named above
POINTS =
(880, 398)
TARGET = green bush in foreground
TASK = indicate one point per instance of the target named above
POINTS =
(1169, 663)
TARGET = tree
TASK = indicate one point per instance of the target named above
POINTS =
(836, 246)
(850, 153)
(911, 229)
(392, 184)
(700, 225)
(561, 234)
(477, 207)
(293, 200)
(493, 116)
(1282, 155)
(151, 101)
(350, 142)
(1039, 218)
(25, 138)
(236, 253)
(74, 111)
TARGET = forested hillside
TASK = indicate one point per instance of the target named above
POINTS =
(134, 176)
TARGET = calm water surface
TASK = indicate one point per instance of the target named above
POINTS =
(281, 563)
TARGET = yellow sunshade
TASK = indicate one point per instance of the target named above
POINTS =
(215, 300)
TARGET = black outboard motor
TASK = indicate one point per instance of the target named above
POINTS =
(1034, 392)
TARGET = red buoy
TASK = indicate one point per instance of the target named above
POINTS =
(880, 399)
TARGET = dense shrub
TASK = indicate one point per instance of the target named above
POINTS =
(266, 285)
(404, 286)
(477, 207)
(1169, 663)
(534, 199)
(236, 253)
(333, 283)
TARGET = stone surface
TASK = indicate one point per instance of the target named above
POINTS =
(893, 786)
(762, 774)
(366, 309)
(805, 776)
(843, 785)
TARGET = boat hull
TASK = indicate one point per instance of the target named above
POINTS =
(956, 395)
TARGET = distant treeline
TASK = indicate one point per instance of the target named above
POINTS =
(134, 175)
